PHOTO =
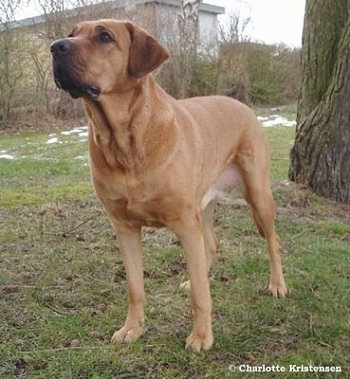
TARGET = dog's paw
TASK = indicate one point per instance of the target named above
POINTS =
(277, 289)
(186, 285)
(128, 334)
(198, 342)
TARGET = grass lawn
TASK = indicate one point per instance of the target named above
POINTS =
(63, 290)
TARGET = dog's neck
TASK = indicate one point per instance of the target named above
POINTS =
(133, 128)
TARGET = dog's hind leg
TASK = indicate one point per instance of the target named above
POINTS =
(210, 240)
(255, 176)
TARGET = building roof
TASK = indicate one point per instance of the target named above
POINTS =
(204, 7)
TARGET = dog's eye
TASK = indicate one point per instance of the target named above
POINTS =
(71, 34)
(104, 37)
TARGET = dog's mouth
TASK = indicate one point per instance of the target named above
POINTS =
(66, 79)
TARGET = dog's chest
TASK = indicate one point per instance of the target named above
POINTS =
(134, 200)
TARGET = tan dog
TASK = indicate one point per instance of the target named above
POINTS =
(157, 161)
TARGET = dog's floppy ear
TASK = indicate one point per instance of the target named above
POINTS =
(145, 54)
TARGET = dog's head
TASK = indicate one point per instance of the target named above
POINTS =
(104, 56)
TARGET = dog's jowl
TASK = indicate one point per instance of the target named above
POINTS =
(157, 161)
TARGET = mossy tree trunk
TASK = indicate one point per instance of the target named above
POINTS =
(320, 157)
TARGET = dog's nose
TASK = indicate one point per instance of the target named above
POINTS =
(60, 47)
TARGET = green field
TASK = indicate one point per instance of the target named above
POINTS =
(63, 290)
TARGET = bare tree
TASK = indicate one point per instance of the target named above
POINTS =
(234, 30)
(11, 68)
(233, 58)
(188, 41)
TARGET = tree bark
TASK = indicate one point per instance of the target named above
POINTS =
(320, 157)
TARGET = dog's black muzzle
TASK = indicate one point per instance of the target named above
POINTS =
(65, 74)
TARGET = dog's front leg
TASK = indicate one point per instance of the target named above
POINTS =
(130, 245)
(192, 241)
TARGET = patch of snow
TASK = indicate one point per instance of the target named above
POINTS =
(83, 134)
(274, 120)
(6, 156)
(52, 140)
(80, 130)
